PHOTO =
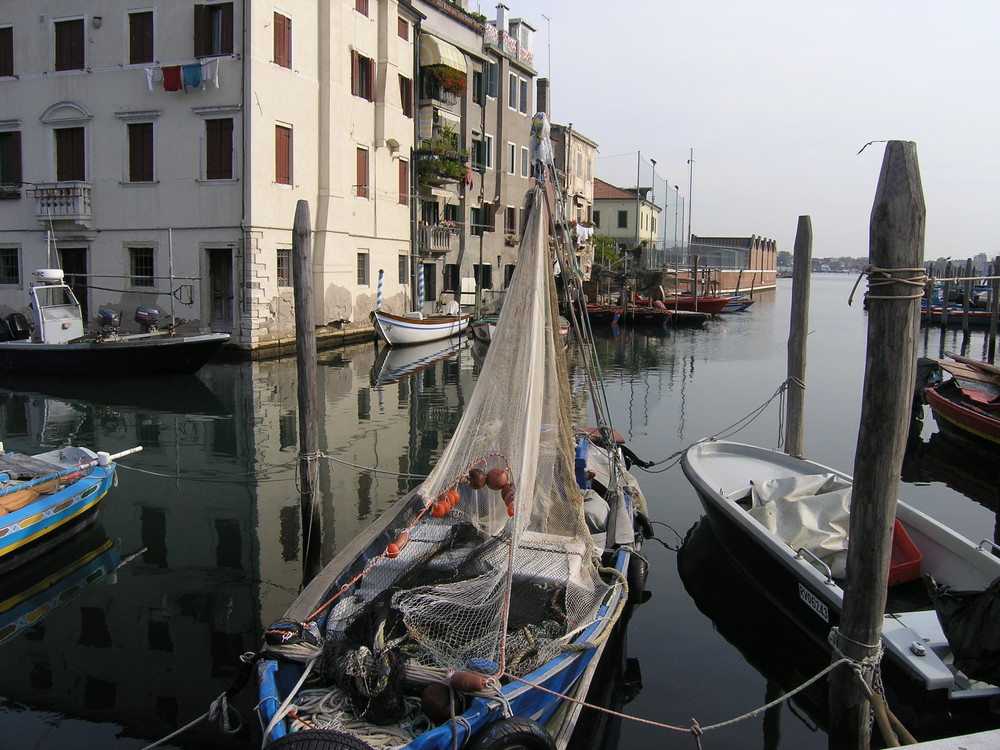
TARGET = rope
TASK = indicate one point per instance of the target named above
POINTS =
(884, 277)
(219, 711)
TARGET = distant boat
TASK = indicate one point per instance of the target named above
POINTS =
(967, 406)
(978, 318)
(414, 328)
(755, 498)
(45, 496)
(710, 305)
(57, 345)
(738, 303)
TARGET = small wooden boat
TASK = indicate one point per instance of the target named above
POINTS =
(978, 318)
(414, 328)
(749, 493)
(710, 305)
(967, 405)
(601, 314)
(58, 346)
(474, 612)
(738, 303)
(44, 495)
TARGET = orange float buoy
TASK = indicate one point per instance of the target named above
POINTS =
(468, 682)
(510, 509)
(397, 544)
(477, 479)
(440, 509)
(507, 493)
(452, 497)
(392, 551)
(496, 478)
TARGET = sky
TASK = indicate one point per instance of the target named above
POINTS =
(775, 98)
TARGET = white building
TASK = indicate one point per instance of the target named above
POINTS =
(163, 152)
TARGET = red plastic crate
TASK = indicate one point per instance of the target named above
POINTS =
(904, 563)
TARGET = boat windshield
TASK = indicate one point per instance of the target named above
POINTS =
(55, 296)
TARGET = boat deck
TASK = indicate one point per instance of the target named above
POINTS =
(21, 467)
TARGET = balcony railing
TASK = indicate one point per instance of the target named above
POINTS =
(62, 202)
(435, 239)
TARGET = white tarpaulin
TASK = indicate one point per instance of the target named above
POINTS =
(811, 512)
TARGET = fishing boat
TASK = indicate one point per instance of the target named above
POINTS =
(954, 315)
(603, 314)
(46, 496)
(738, 303)
(967, 405)
(476, 609)
(58, 345)
(696, 303)
(786, 519)
(416, 328)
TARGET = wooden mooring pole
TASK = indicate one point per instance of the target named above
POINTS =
(305, 345)
(896, 243)
(797, 334)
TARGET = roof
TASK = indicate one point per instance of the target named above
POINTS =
(606, 191)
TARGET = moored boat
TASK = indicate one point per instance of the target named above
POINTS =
(762, 503)
(476, 608)
(415, 328)
(57, 344)
(46, 496)
(967, 405)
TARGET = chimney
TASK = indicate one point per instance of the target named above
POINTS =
(502, 12)
(542, 97)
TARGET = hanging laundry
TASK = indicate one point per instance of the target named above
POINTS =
(210, 72)
(172, 80)
(192, 75)
(153, 75)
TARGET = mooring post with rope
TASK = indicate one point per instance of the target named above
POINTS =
(895, 287)
(305, 364)
(797, 336)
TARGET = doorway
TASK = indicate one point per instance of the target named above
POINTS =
(220, 278)
(73, 261)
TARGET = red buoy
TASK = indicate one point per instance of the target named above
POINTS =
(397, 544)
(496, 478)
(477, 479)
(468, 682)
(507, 493)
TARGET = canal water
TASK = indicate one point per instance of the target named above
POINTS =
(138, 625)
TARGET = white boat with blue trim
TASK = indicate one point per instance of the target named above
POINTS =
(416, 328)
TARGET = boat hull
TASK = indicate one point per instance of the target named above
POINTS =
(963, 420)
(398, 330)
(926, 700)
(126, 357)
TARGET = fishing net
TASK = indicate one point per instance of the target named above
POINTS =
(497, 568)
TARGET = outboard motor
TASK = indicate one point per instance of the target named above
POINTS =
(109, 320)
(17, 327)
(148, 318)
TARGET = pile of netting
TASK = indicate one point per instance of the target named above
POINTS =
(493, 570)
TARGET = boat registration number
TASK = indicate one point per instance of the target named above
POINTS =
(812, 601)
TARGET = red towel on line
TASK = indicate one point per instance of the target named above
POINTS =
(172, 78)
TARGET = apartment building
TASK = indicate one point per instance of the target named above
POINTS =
(158, 155)
(628, 217)
(574, 156)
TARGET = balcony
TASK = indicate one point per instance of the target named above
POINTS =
(65, 203)
(441, 166)
(435, 239)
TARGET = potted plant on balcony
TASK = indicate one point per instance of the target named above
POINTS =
(511, 240)
(450, 80)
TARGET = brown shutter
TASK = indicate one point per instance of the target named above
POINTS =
(282, 40)
(371, 80)
(355, 66)
(69, 45)
(10, 158)
(226, 43)
(282, 155)
(202, 31)
(70, 161)
(404, 182)
(219, 149)
(362, 173)
(7, 51)
(140, 152)
(140, 37)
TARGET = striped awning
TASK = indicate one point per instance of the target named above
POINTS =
(434, 51)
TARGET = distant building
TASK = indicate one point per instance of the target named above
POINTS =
(627, 217)
(574, 159)
(736, 262)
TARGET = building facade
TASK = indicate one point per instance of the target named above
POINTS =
(158, 155)
(628, 218)
(574, 156)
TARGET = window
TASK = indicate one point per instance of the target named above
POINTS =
(363, 269)
(523, 109)
(623, 219)
(282, 40)
(70, 158)
(140, 152)
(361, 6)
(140, 37)
(282, 155)
(512, 91)
(453, 213)
(510, 220)
(484, 275)
(492, 79)
(362, 76)
(284, 267)
(141, 263)
(597, 218)
(406, 95)
(10, 266)
(478, 87)
(508, 274)
(452, 277)
(69, 44)
(429, 271)
(219, 149)
(362, 184)
(511, 158)
(477, 222)
(403, 28)
(213, 29)
(6, 51)
(482, 153)
(404, 182)
(525, 162)
(10, 164)
(403, 268)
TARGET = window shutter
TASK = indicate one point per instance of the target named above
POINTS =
(140, 37)
(140, 152)
(371, 80)
(202, 31)
(69, 154)
(7, 51)
(282, 40)
(12, 174)
(226, 37)
(282, 155)
(404, 182)
(355, 83)
(362, 173)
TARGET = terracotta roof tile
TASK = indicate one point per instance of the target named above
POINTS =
(607, 191)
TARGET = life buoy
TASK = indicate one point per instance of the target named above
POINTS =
(319, 739)
(508, 734)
